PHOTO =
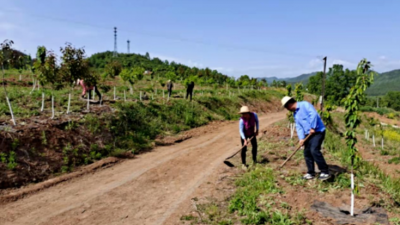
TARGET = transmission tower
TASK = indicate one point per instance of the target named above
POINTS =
(115, 41)
(129, 42)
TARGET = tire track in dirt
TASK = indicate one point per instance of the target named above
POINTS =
(147, 190)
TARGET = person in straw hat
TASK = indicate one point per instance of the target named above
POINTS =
(248, 128)
(308, 122)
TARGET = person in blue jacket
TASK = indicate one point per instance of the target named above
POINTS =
(308, 122)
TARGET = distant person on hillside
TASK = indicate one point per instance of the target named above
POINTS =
(308, 122)
(88, 89)
(248, 128)
(169, 87)
(189, 90)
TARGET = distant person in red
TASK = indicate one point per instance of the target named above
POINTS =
(88, 89)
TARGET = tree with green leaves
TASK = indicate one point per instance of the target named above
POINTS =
(289, 90)
(298, 90)
(112, 69)
(170, 75)
(352, 103)
(74, 66)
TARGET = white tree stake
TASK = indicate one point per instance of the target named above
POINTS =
(34, 85)
(69, 102)
(382, 143)
(11, 111)
(140, 96)
(131, 89)
(52, 107)
(124, 95)
(352, 194)
(88, 104)
(373, 140)
(41, 110)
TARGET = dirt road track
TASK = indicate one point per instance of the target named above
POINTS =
(146, 190)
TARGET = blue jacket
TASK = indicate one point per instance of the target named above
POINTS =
(307, 118)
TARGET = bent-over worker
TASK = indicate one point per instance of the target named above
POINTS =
(308, 122)
(88, 89)
(248, 128)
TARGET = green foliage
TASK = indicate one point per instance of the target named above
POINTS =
(74, 66)
(352, 103)
(159, 68)
(92, 123)
(46, 68)
(289, 90)
(250, 187)
(337, 85)
(171, 76)
(299, 92)
(113, 69)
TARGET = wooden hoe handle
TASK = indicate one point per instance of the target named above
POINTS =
(293, 153)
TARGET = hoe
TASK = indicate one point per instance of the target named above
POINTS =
(229, 163)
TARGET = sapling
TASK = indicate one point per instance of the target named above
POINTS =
(74, 66)
(353, 119)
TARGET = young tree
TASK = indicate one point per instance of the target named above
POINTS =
(299, 92)
(289, 90)
(171, 76)
(113, 69)
(74, 66)
(352, 117)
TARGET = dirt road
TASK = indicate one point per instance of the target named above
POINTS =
(145, 190)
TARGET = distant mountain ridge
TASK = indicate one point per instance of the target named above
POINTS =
(383, 82)
(291, 80)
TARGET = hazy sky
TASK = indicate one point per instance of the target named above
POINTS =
(260, 38)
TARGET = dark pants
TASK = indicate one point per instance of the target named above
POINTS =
(312, 153)
(254, 150)
(97, 93)
(169, 92)
(189, 92)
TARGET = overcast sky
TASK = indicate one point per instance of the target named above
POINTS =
(260, 38)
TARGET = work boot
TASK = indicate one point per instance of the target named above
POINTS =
(244, 167)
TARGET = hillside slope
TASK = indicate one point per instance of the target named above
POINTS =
(291, 80)
(385, 82)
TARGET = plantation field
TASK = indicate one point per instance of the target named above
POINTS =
(39, 147)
